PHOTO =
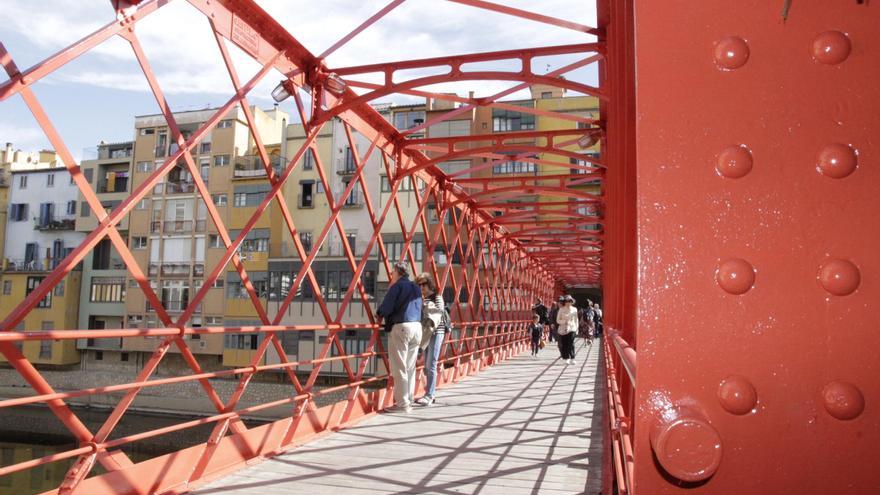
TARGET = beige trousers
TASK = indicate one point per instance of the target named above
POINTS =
(403, 345)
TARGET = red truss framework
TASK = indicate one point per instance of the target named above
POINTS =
(509, 252)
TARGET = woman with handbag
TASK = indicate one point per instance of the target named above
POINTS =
(434, 324)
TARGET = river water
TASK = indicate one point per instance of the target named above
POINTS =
(32, 432)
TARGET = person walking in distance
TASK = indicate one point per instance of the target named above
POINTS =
(567, 319)
(536, 331)
(540, 310)
(434, 326)
(552, 317)
(401, 310)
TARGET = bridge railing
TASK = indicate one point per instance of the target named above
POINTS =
(479, 344)
(620, 376)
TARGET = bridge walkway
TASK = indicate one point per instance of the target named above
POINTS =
(529, 425)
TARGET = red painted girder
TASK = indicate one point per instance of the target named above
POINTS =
(455, 61)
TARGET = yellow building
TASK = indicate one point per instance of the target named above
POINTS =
(175, 241)
(57, 311)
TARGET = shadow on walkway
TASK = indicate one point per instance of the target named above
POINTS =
(530, 425)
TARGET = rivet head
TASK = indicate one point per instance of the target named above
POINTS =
(837, 160)
(843, 400)
(734, 162)
(731, 52)
(839, 277)
(688, 448)
(831, 47)
(737, 395)
(735, 276)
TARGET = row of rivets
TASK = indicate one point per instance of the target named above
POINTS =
(842, 400)
(835, 160)
(837, 276)
(830, 47)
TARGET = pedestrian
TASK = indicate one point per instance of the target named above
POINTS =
(552, 317)
(536, 330)
(434, 325)
(600, 325)
(567, 319)
(401, 310)
(541, 310)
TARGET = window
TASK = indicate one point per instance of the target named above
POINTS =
(32, 283)
(308, 160)
(18, 212)
(123, 356)
(214, 320)
(221, 160)
(351, 238)
(215, 241)
(408, 120)
(50, 180)
(384, 184)
(71, 207)
(84, 209)
(205, 147)
(546, 94)
(242, 341)
(306, 239)
(218, 284)
(147, 131)
(135, 321)
(22, 182)
(139, 242)
(223, 124)
(249, 195)
(59, 289)
(101, 255)
(349, 165)
(107, 289)
(306, 198)
(143, 204)
(515, 167)
(394, 249)
(508, 120)
(99, 355)
(257, 240)
(88, 173)
(144, 166)
(46, 345)
(7, 287)
(220, 199)
(236, 290)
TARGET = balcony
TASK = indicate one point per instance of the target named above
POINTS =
(173, 306)
(34, 265)
(179, 187)
(177, 226)
(348, 168)
(248, 166)
(65, 222)
(354, 200)
(117, 187)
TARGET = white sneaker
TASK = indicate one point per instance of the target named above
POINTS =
(567, 361)
(573, 361)
(425, 401)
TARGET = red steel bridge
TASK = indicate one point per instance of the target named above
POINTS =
(736, 250)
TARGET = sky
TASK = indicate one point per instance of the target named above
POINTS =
(96, 96)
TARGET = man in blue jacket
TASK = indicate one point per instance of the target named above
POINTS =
(402, 311)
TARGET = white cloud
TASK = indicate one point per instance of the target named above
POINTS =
(25, 138)
(182, 51)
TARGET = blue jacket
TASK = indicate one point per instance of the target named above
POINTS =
(402, 303)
